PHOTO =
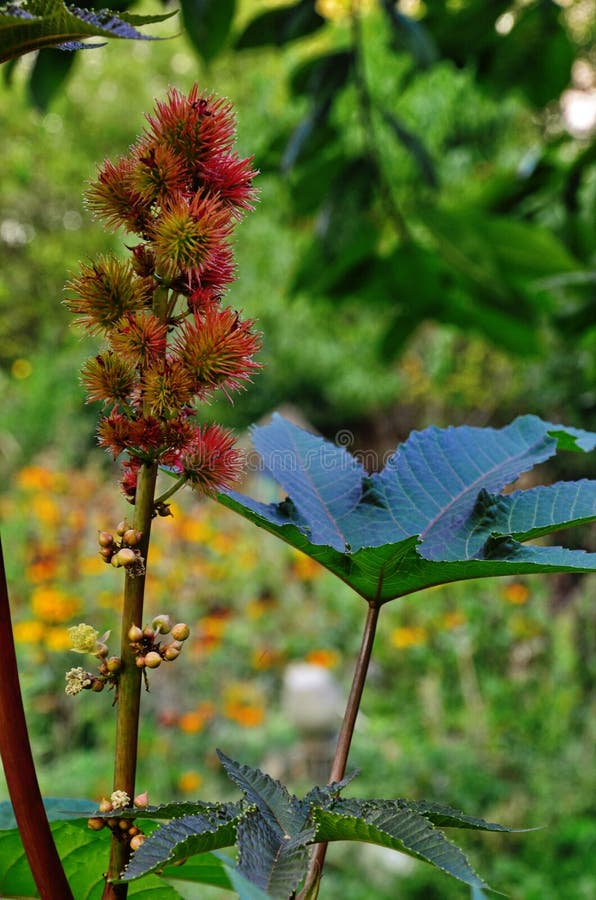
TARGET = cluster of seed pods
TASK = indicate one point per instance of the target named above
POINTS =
(149, 651)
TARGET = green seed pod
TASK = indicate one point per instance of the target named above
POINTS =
(180, 632)
(153, 660)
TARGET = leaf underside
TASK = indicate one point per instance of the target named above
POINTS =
(434, 514)
(35, 24)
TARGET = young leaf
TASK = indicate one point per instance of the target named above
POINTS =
(34, 24)
(181, 838)
(282, 811)
(273, 860)
(433, 515)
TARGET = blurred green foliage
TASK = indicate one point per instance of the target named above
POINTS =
(424, 218)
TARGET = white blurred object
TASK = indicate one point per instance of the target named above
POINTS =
(311, 699)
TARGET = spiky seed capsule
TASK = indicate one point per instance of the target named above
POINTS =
(153, 660)
(135, 634)
(162, 624)
(95, 824)
(136, 841)
(180, 632)
(105, 539)
(131, 537)
(171, 653)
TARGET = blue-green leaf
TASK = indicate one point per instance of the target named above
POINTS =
(433, 515)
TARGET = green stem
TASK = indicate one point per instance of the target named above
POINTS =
(179, 483)
(338, 769)
(129, 684)
(19, 769)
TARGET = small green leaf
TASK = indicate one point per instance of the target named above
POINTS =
(280, 26)
(208, 24)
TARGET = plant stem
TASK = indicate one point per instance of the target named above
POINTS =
(129, 684)
(179, 483)
(338, 769)
(19, 768)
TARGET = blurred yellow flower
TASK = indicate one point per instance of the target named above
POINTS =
(57, 639)
(305, 568)
(45, 509)
(408, 636)
(516, 593)
(189, 781)
(53, 605)
(263, 658)
(243, 704)
(193, 530)
(30, 632)
(323, 657)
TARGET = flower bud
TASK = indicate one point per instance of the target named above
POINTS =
(131, 537)
(162, 624)
(113, 665)
(98, 685)
(122, 528)
(105, 805)
(153, 660)
(124, 557)
(180, 631)
(123, 824)
(101, 650)
(133, 830)
(141, 800)
(135, 634)
(105, 539)
(171, 653)
(95, 824)
(140, 662)
(136, 841)
(176, 645)
(106, 553)
(148, 633)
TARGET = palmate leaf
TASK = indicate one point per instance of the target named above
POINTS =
(34, 24)
(403, 829)
(435, 513)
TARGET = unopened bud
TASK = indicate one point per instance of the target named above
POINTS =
(122, 527)
(98, 685)
(113, 665)
(162, 624)
(180, 632)
(153, 660)
(124, 557)
(136, 841)
(141, 800)
(106, 553)
(123, 824)
(171, 653)
(101, 650)
(131, 537)
(148, 633)
(95, 824)
(140, 662)
(105, 539)
(105, 805)
(135, 634)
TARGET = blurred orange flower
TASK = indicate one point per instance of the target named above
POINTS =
(516, 593)
(323, 657)
(189, 782)
(453, 619)
(35, 478)
(195, 720)
(53, 605)
(30, 632)
(305, 568)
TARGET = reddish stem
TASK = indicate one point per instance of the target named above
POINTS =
(19, 768)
